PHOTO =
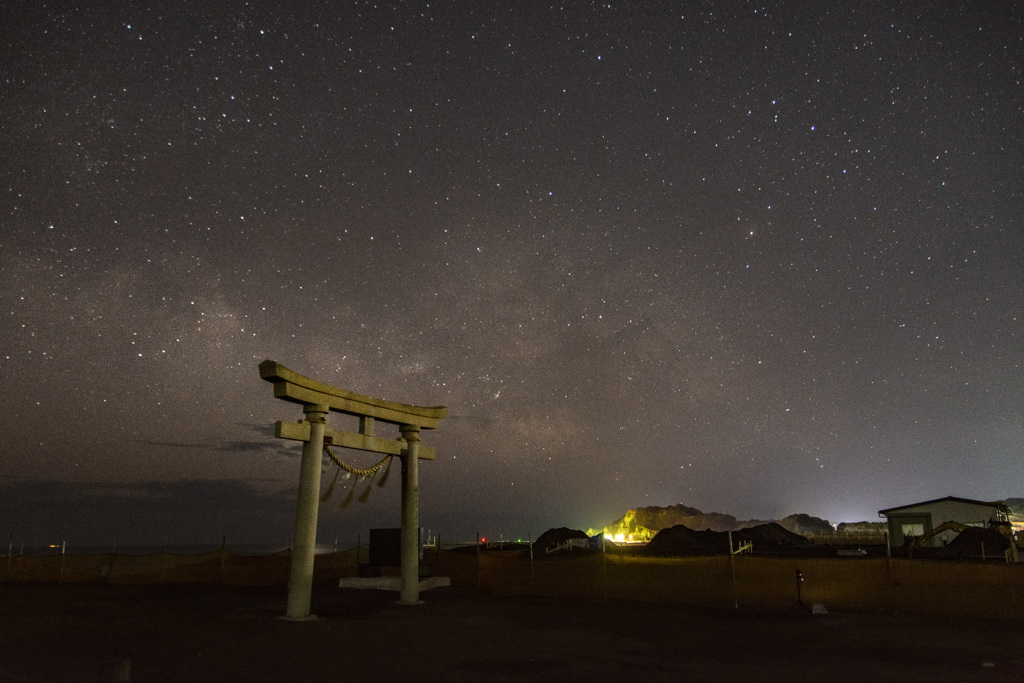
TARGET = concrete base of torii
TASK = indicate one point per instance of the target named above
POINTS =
(394, 583)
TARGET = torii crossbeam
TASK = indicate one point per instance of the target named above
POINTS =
(318, 399)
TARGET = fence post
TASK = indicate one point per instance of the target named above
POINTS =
(604, 566)
(437, 554)
(529, 538)
(732, 567)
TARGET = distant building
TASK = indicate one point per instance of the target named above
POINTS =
(909, 521)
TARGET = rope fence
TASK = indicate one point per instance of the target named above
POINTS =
(868, 584)
(973, 589)
(216, 567)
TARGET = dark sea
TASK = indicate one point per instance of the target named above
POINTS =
(197, 549)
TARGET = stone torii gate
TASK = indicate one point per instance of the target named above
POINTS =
(317, 399)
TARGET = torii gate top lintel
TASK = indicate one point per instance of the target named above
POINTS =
(291, 386)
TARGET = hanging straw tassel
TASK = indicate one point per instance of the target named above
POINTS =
(384, 477)
(369, 487)
(348, 499)
(330, 487)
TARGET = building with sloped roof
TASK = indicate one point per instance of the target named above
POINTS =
(909, 521)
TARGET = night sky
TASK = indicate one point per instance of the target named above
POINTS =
(755, 259)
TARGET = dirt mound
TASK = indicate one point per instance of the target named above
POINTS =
(976, 542)
(771, 535)
(802, 524)
(682, 540)
(554, 537)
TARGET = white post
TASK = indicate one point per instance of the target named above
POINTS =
(410, 584)
(300, 580)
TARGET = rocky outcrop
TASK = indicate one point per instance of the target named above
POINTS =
(643, 523)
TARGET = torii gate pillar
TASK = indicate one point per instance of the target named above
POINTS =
(410, 540)
(300, 579)
(317, 401)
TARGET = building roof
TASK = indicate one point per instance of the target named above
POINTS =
(998, 504)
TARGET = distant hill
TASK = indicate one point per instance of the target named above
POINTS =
(643, 523)
(860, 527)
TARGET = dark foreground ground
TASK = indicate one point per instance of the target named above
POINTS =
(187, 633)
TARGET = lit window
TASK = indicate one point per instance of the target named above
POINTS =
(913, 530)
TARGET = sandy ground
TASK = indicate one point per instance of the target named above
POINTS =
(64, 633)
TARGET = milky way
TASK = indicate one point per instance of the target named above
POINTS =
(755, 259)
